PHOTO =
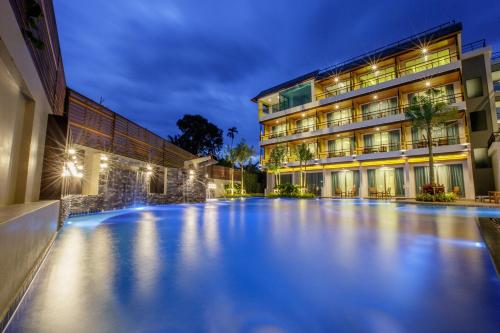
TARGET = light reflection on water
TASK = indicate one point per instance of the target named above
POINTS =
(267, 266)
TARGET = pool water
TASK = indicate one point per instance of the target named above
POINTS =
(260, 265)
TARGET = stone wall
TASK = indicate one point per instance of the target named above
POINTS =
(127, 186)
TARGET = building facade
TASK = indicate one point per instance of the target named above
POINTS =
(351, 116)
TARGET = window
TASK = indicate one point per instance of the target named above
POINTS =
(427, 61)
(474, 87)
(478, 121)
(340, 117)
(277, 130)
(381, 142)
(341, 147)
(337, 88)
(379, 109)
(442, 134)
(444, 94)
(298, 95)
(305, 125)
(377, 76)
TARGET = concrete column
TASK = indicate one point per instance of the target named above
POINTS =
(470, 192)
(409, 181)
(165, 180)
(327, 183)
(363, 191)
(91, 167)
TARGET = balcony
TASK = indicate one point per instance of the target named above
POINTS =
(355, 121)
(390, 75)
(441, 145)
(356, 86)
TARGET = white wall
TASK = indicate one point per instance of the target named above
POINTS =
(24, 109)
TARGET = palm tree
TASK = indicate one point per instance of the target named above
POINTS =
(243, 153)
(231, 133)
(425, 112)
(304, 155)
(276, 159)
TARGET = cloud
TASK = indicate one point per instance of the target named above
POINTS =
(155, 61)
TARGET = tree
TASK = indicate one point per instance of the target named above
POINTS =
(231, 132)
(198, 136)
(426, 112)
(276, 159)
(243, 153)
(304, 155)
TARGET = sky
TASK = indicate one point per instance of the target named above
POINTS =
(154, 61)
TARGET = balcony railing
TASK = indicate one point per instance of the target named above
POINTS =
(474, 45)
(380, 148)
(356, 117)
(432, 63)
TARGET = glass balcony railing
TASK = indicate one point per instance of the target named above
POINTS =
(356, 117)
(380, 148)
(391, 74)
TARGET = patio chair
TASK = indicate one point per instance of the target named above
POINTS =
(456, 190)
(387, 193)
(372, 192)
(338, 192)
(353, 192)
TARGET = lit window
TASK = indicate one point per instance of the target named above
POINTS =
(474, 87)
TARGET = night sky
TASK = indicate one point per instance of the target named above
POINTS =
(156, 60)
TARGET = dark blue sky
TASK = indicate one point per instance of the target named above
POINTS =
(155, 60)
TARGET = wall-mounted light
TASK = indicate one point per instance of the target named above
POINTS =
(424, 50)
(104, 157)
(71, 151)
(427, 84)
(337, 107)
(375, 96)
(374, 67)
(336, 79)
(103, 165)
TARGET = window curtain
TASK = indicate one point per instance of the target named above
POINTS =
(355, 175)
(457, 178)
(335, 181)
(452, 133)
(368, 140)
(421, 177)
(371, 178)
(400, 186)
(394, 141)
(414, 137)
(314, 182)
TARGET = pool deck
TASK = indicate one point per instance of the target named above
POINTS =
(464, 203)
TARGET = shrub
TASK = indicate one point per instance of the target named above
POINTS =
(290, 191)
(432, 188)
(438, 197)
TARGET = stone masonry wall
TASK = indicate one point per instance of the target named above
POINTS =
(125, 186)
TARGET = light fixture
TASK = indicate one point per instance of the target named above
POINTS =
(149, 168)
(104, 157)
(336, 106)
(427, 84)
(277, 121)
(338, 135)
(377, 72)
(80, 167)
(303, 115)
(73, 157)
(71, 151)
(375, 96)
(424, 50)
(103, 165)
(149, 173)
(374, 67)
(377, 129)
(269, 100)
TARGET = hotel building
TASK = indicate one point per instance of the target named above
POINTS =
(351, 116)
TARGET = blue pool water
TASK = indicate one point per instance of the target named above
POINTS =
(267, 266)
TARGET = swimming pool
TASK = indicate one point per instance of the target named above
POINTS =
(260, 265)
